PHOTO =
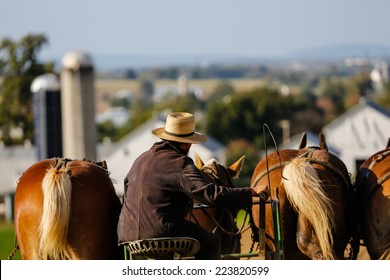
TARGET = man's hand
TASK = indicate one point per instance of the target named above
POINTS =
(261, 191)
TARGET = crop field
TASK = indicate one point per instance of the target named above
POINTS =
(208, 85)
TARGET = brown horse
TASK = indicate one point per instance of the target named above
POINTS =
(221, 221)
(373, 203)
(315, 199)
(66, 209)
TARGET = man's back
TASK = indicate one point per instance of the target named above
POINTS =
(153, 201)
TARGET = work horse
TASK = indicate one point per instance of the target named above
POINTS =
(67, 209)
(373, 203)
(221, 221)
(314, 192)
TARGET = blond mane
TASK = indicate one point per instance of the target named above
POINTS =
(305, 192)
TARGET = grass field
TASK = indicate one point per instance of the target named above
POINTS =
(7, 235)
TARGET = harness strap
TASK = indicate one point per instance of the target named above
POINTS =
(62, 162)
(384, 178)
(333, 169)
(272, 168)
(378, 158)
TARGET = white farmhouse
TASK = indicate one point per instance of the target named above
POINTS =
(359, 133)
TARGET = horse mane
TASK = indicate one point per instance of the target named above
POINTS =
(306, 194)
(53, 229)
(386, 253)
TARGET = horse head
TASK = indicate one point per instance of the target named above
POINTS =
(221, 221)
(228, 173)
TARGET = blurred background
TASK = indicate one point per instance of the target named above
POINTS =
(297, 66)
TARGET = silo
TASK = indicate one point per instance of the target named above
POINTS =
(47, 116)
(78, 106)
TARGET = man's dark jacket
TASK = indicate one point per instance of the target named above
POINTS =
(159, 188)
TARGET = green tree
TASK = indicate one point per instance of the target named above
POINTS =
(184, 103)
(107, 129)
(243, 116)
(335, 90)
(385, 99)
(241, 147)
(222, 90)
(19, 66)
(140, 113)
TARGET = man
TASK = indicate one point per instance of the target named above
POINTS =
(162, 183)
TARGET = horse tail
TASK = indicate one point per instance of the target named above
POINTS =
(386, 253)
(53, 229)
(305, 192)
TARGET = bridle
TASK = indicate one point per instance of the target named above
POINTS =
(214, 176)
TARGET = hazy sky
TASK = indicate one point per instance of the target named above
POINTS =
(180, 27)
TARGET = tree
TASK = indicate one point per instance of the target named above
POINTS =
(223, 89)
(241, 147)
(183, 103)
(243, 116)
(385, 99)
(19, 66)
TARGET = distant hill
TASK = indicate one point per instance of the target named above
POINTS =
(344, 51)
(124, 61)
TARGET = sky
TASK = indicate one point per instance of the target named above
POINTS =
(261, 28)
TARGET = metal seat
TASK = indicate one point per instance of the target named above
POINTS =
(162, 248)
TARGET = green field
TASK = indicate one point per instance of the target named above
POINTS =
(7, 236)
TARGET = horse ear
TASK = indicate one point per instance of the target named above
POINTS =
(235, 168)
(198, 161)
(323, 145)
(303, 141)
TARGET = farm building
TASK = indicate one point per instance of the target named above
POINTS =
(353, 136)
(359, 133)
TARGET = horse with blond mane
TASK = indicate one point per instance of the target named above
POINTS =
(67, 209)
(315, 197)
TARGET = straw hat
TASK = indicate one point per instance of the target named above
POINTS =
(180, 127)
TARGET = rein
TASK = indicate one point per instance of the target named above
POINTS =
(14, 250)
(218, 223)
(255, 230)
(214, 175)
